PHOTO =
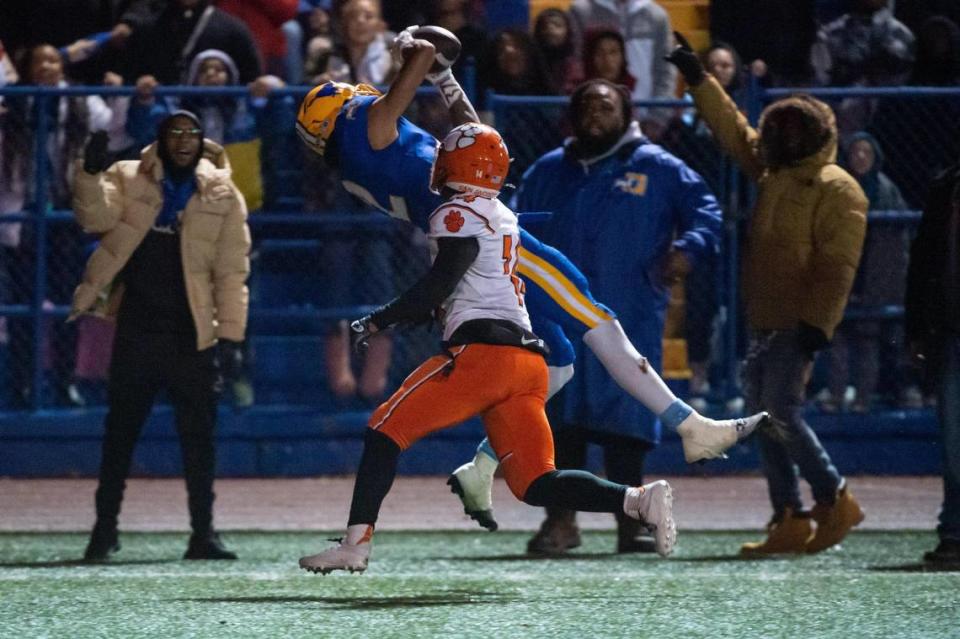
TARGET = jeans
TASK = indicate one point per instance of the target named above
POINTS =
(776, 372)
(949, 414)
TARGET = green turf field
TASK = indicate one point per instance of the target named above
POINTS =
(474, 585)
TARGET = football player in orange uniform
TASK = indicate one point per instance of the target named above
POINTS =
(492, 363)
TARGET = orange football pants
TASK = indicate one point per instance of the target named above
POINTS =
(505, 385)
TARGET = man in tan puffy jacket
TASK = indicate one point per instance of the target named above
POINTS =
(171, 267)
(803, 246)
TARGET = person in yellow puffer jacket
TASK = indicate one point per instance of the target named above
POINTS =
(802, 250)
(171, 266)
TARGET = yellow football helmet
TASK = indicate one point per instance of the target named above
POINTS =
(318, 112)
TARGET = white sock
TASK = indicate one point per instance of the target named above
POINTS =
(485, 463)
(559, 376)
(631, 501)
(628, 367)
(358, 534)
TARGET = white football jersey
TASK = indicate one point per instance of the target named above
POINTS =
(491, 288)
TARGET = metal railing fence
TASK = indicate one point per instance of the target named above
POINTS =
(294, 294)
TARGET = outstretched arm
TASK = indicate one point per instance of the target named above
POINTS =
(454, 257)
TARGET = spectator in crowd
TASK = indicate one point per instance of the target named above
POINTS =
(553, 34)
(165, 45)
(266, 20)
(938, 54)
(803, 246)
(645, 27)
(248, 128)
(880, 282)
(757, 31)
(8, 72)
(933, 331)
(512, 65)
(914, 13)
(71, 119)
(363, 54)
(94, 350)
(866, 47)
(177, 314)
(454, 16)
(318, 33)
(92, 33)
(623, 210)
(605, 57)
(921, 135)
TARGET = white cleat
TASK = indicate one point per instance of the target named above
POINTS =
(474, 486)
(654, 508)
(705, 438)
(351, 557)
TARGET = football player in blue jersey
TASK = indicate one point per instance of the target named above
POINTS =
(387, 161)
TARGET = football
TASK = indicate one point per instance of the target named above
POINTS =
(447, 44)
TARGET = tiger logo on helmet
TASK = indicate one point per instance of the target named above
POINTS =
(319, 110)
(473, 159)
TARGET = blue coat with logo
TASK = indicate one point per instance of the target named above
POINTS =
(616, 217)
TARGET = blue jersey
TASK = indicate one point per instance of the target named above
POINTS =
(396, 179)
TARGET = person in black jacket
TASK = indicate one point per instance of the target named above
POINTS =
(164, 47)
(933, 332)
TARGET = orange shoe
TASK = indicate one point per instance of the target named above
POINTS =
(788, 535)
(834, 521)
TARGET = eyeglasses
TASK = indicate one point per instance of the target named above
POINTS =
(179, 133)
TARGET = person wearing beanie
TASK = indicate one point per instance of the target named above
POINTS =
(171, 268)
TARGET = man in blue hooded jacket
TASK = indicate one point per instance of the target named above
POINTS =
(635, 219)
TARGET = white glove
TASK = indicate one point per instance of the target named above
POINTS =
(404, 39)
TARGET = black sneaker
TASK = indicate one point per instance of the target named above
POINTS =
(103, 543)
(946, 552)
(207, 546)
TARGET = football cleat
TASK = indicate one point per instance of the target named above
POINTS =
(474, 487)
(350, 557)
(653, 506)
(704, 438)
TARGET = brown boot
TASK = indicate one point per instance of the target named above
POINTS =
(632, 536)
(786, 535)
(834, 520)
(558, 533)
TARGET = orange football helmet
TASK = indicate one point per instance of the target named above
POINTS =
(318, 112)
(472, 158)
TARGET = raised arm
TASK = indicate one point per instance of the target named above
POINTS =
(721, 114)
(384, 113)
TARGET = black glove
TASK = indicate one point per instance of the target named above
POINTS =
(96, 159)
(686, 60)
(230, 358)
(811, 339)
(360, 332)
